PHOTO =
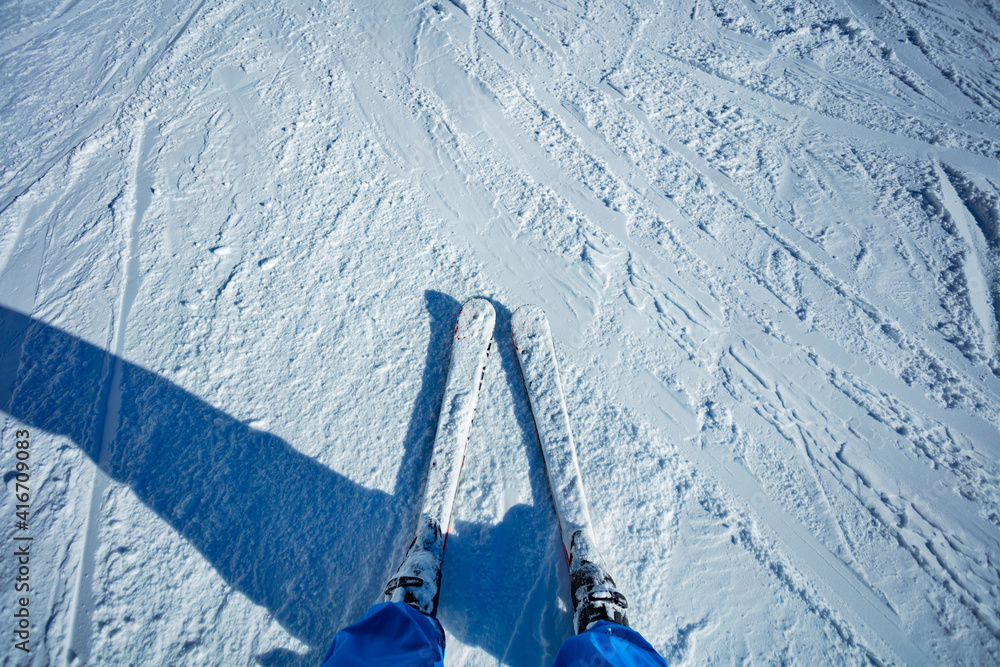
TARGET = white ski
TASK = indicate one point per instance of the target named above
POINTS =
(417, 580)
(594, 593)
(469, 352)
(537, 356)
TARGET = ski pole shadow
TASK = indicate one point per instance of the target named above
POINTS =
(505, 587)
(295, 537)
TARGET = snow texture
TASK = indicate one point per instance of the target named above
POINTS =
(234, 240)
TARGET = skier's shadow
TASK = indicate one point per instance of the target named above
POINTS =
(310, 545)
(305, 542)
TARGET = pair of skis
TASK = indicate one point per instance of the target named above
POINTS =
(417, 581)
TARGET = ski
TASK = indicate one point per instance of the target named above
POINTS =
(537, 358)
(595, 596)
(417, 580)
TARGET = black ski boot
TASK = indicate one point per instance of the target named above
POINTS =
(418, 578)
(595, 595)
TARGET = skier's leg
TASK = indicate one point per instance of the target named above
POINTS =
(401, 630)
(608, 644)
(599, 616)
(391, 634)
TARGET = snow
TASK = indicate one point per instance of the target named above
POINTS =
(234, 240)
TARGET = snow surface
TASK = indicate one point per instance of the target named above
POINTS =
(234, 237)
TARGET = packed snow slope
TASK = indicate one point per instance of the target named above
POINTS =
(235, 235)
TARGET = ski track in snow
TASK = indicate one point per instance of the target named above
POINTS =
(766, 235)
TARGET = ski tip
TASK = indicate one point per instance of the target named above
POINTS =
(477, 314)
(528, 315)
(477, 302)
(478, 305)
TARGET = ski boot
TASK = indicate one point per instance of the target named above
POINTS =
(418, 578)
(595, 595)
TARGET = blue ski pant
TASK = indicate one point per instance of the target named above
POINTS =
(396, 634)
